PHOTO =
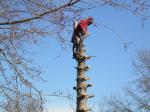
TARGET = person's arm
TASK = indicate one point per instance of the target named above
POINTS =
(75, 24)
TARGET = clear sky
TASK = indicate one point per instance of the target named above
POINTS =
(111, 68)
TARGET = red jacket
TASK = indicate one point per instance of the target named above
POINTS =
(83, 24)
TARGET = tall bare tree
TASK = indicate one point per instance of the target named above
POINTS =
(25, 22)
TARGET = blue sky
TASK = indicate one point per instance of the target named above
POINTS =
(111, 68)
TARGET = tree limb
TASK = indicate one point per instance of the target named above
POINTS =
(70, 3)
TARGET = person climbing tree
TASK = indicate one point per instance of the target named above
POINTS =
(80, 32)
(79, 54)
(81, 29)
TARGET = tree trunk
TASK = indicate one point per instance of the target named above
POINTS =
(81, 87)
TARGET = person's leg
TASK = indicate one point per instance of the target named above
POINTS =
(73, 50)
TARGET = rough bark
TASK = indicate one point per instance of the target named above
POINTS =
(81, 87)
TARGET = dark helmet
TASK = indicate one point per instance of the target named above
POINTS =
(90, 20)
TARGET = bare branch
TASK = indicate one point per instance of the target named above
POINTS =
(40, 15)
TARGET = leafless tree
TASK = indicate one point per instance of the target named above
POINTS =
(137, 93)
(25, 22)
(22, 23)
